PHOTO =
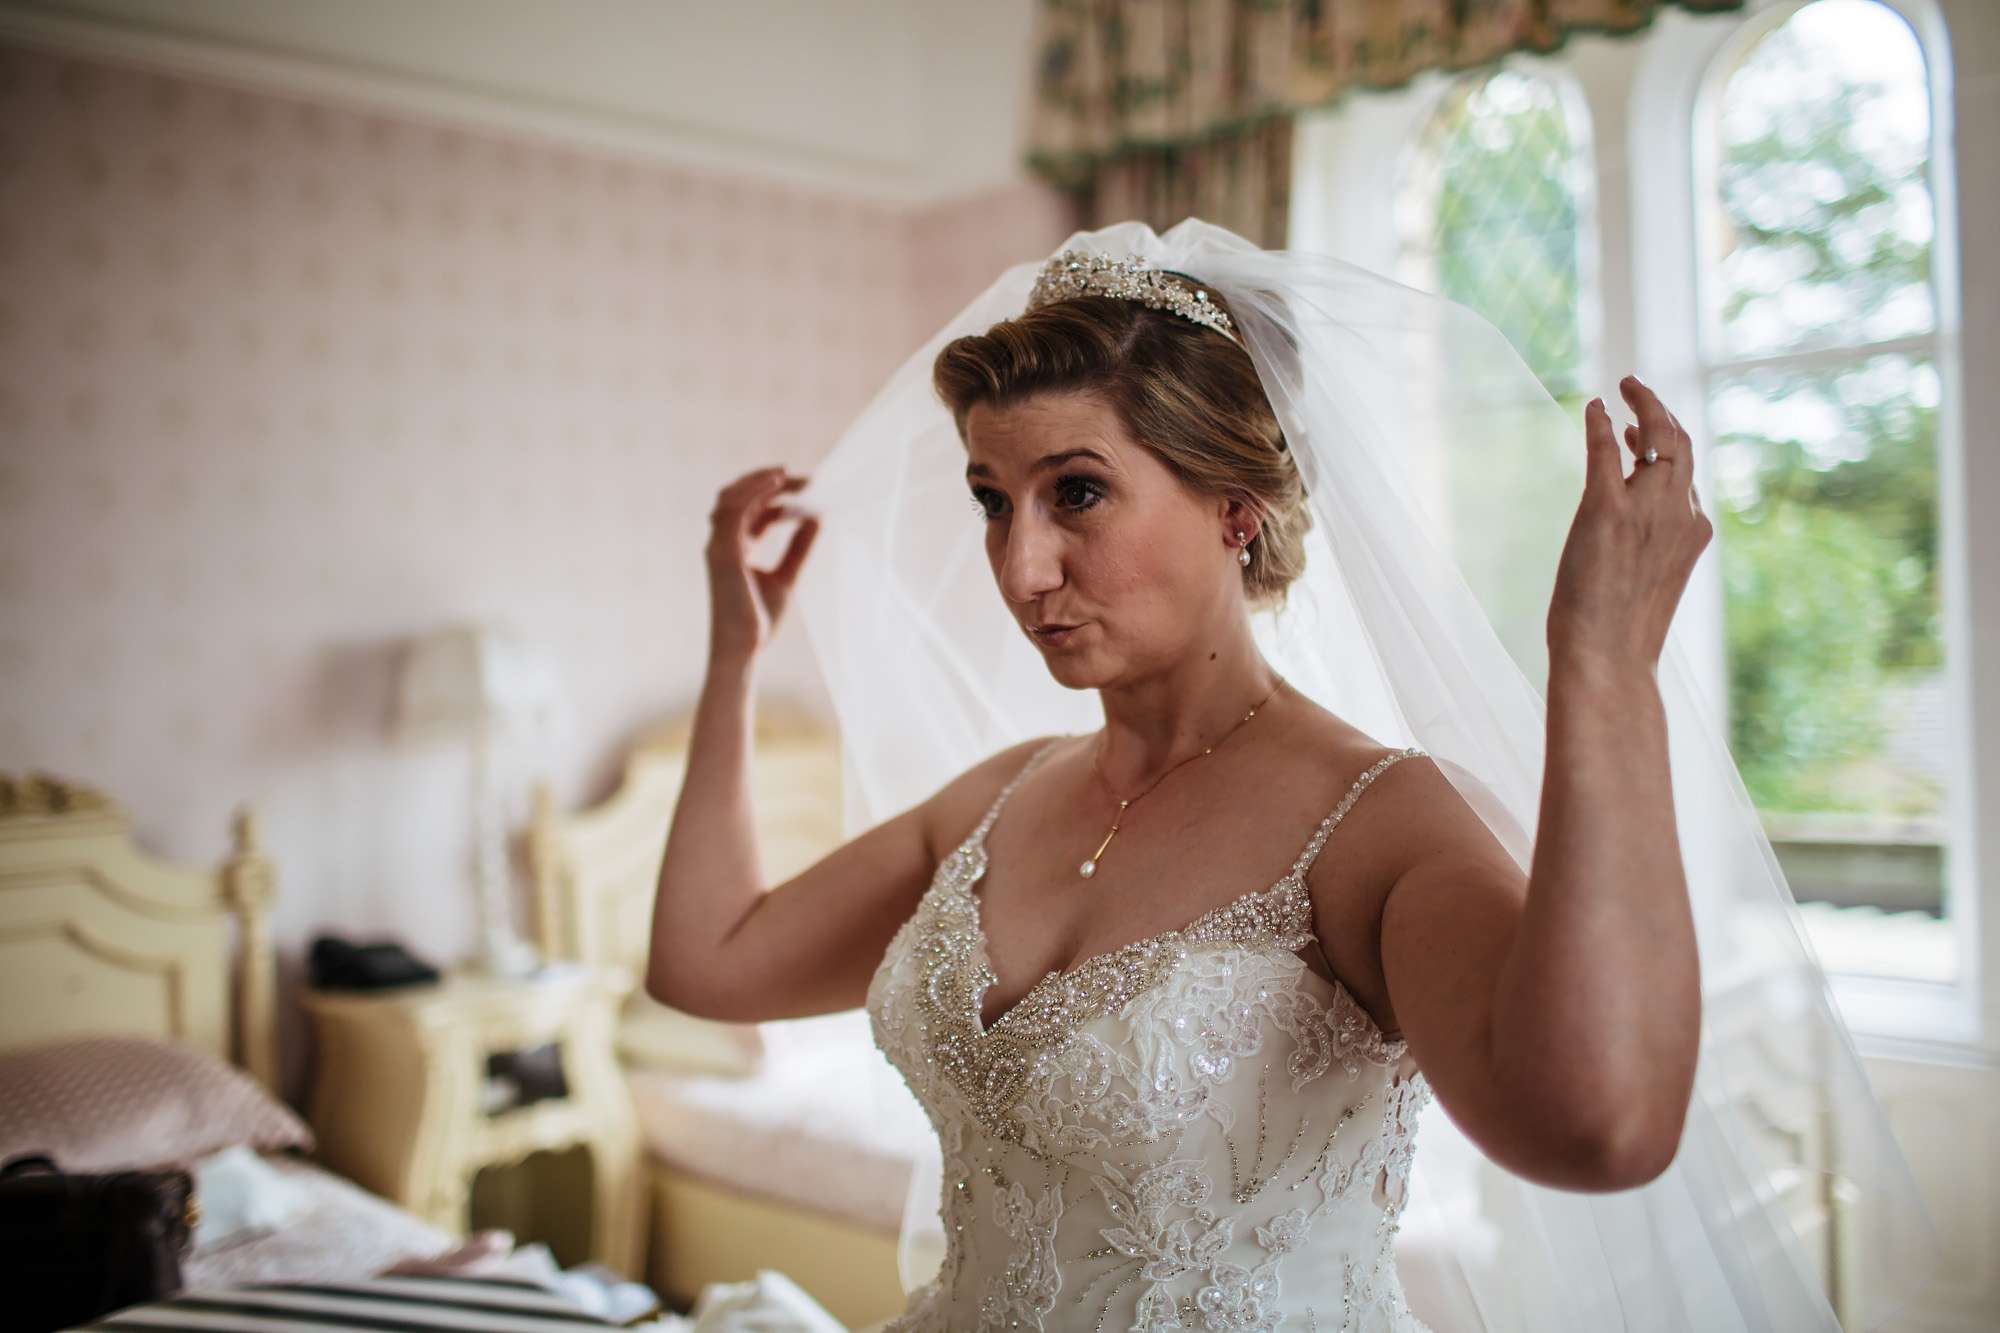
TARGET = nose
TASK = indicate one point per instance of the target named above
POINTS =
(1031, 560)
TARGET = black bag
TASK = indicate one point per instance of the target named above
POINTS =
(339, 965)
(84, 1245)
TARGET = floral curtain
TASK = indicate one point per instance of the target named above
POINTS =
(1157, 109)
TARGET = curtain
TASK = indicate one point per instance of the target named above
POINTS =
(1161, 109)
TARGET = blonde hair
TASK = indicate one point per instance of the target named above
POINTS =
(1185, 392)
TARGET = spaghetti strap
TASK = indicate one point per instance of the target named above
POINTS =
(993, 810)
(1327, 825)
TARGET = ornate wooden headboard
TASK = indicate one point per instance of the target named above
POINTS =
(596, 870)
(97, 937)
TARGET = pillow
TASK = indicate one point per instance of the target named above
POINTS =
(111, 1103)
(653, 1036)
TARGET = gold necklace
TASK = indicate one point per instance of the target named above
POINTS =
(1089, 866)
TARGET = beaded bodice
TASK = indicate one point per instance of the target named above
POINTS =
(1193, 1131)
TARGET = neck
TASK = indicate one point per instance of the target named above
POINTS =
(1153, 723)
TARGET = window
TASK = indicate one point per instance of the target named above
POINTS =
(1490, 212)
(1756, 211)
(1819, 362)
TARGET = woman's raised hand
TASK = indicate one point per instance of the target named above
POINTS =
(1633, 543)
(745, 602)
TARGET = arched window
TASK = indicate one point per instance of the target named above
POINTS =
(1820, 359)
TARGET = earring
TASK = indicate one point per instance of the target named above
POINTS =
(1242, 550)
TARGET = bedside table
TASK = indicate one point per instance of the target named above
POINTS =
(399, 1083)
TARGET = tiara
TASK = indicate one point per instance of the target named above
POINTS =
(1073, 273)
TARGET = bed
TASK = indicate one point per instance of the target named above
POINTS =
(136, 1030)
(789, 1145)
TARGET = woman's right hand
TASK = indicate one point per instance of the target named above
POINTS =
(745, 602)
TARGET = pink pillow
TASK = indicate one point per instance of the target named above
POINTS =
(111, 1103)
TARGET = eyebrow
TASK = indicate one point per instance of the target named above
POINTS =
(1043, 463)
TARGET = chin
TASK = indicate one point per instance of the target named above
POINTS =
(1076, 680)
(1068, 674)
(1075, 673)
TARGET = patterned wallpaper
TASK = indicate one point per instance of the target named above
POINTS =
(283, 384)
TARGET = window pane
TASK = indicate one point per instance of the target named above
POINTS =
(1824, 492)
(1489, 216)
(1823, 218)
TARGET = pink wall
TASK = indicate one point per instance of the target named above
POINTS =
(282, 384)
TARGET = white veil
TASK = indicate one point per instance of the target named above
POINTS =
(1381, 390)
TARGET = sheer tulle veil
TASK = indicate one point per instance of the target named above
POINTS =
(1787, 1162)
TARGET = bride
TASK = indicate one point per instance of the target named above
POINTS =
(1174, 987)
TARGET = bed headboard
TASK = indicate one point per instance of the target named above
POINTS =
(596, 870)
(97, 937)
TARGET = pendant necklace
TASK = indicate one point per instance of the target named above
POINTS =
(1089, 867)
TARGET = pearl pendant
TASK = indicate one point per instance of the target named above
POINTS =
(1088, 868)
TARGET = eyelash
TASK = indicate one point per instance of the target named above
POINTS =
(1090, 485)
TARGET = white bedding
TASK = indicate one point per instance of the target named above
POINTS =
(336, 1230)
(826, 1122)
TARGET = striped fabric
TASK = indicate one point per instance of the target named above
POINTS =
(389, 1304)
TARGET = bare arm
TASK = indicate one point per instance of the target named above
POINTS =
(812, 944)
(709, 876)
(1559, 1020)
(721, 945)
(1557, 1016)
(718, 949)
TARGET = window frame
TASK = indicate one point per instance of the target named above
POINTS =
(1682, 83)
(1714, 365)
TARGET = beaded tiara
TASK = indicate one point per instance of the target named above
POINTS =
(1072, 273)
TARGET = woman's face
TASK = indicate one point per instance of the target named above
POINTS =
(1087, 530)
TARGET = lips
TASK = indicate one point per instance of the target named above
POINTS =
(1052, 633)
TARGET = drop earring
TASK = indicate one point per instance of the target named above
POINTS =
(1242, 550)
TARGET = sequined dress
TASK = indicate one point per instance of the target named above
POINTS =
(1193, 1131)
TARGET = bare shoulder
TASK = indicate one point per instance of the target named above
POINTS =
(1407, 824)
(1411, 813)
(1407, 813)
(957, 807)
(1450, 863)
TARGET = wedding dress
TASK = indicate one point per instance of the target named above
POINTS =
(1195, 1130)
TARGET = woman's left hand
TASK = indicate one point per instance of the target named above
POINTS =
(1633, 543)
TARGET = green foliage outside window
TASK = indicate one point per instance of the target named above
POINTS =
(1825, 474)
(1824, 480)
(1491, 216)
(1502, 172)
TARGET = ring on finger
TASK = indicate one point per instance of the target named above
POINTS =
(1651, 455)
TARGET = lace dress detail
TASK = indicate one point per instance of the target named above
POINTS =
(1194, 1130)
